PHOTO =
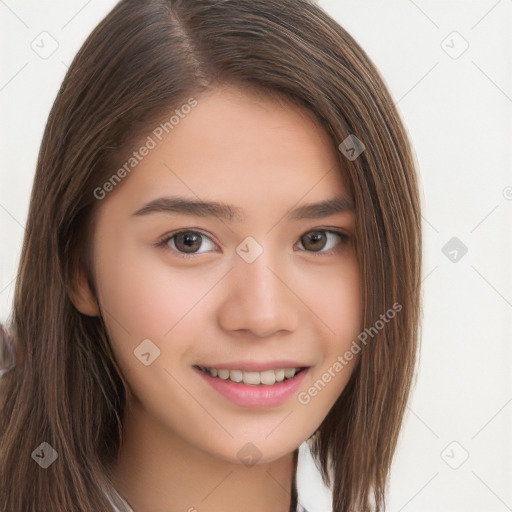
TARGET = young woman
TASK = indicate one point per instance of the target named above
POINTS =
(221, 267)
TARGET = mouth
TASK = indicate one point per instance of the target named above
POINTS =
(271, 387)
(253, 378)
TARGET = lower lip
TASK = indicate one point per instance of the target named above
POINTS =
(246, 395)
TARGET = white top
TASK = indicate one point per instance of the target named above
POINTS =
(312, 494)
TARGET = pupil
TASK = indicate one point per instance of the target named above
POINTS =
(315, 237)
(189, 242)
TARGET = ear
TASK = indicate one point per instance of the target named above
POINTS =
(82, 296)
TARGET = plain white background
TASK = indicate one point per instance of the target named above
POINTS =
(448, 66)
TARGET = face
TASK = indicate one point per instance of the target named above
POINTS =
(208, 255)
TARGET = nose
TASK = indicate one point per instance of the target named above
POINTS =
(258, 299)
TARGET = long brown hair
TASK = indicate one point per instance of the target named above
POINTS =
(145, 59)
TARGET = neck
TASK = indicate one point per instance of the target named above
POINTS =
(157, 471)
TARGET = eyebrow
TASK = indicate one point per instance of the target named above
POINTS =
(198, 208)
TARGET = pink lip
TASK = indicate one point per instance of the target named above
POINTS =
(246, 395)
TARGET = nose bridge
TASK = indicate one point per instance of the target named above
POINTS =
(259, 282)
(257, 299)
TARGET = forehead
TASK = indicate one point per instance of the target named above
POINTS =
(239, 146)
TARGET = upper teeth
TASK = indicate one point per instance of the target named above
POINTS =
(268, 377)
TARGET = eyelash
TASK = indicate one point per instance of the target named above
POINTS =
(163, 242)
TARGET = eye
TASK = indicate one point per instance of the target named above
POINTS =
(187, 242)
(322, 241)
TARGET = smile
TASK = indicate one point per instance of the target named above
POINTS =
(257, 393)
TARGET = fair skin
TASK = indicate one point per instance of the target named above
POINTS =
(181, 437)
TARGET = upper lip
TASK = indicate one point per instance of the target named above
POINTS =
(253, 366)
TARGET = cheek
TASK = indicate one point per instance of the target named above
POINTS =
(338, 306)
(337, 302)
(140, 295)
